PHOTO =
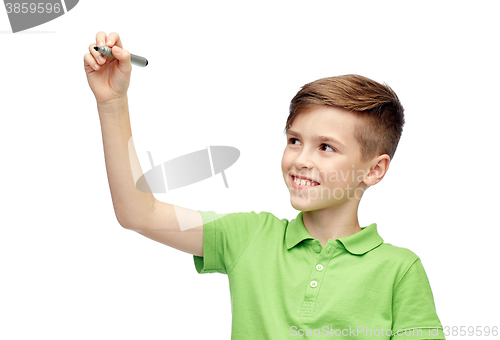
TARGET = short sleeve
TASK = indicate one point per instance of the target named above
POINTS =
(225, 237)
(413, 311)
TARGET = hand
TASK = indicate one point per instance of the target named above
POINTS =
(108, 78)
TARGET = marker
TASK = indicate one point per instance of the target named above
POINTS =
(188, 169)
(134, 59)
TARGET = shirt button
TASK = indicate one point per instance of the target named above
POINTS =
(319, 267)
(313, 284)
(318, 249)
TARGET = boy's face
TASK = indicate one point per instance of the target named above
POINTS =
(334, 165)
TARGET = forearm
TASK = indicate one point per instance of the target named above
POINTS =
(122, 166)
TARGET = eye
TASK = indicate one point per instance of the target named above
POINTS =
(294, 140)
(328, 146)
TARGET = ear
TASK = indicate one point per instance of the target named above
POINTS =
(378, 169)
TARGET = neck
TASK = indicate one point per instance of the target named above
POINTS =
(332, 222)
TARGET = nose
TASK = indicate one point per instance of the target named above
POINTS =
(303, 160)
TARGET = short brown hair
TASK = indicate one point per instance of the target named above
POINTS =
(377, 105)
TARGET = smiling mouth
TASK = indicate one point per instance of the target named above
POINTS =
(302, 183)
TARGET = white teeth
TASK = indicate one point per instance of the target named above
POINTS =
(304, 182)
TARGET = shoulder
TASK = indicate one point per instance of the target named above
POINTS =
(270, 225)
(262, 218)
(387, 250)
(394, 258)
(236, 220)
(397, 263)
(268, 218)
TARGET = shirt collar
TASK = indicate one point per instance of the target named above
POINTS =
(358, 243)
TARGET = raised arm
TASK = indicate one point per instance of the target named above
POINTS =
(109, 80)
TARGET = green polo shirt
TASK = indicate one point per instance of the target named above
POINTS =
(284, 284)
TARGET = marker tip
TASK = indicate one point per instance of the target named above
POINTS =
(96, 48)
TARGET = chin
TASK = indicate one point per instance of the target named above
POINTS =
(302, 205)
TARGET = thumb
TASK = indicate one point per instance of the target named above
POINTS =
(123, 56)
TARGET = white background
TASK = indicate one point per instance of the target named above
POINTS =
(223, 73)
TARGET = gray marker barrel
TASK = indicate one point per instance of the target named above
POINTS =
(134, 59)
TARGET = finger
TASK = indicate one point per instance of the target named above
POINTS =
(97, 56)
(100, 38)
(123, 57)
(90, 63)
(114, 39)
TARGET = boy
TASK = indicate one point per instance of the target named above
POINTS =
(321, 274)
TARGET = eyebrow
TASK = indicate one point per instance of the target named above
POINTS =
(318, 138)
